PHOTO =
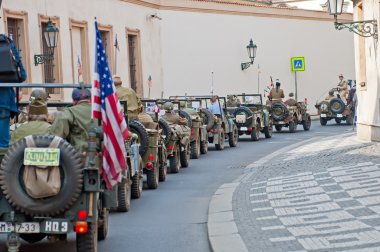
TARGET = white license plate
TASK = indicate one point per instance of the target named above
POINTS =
(6, 227)
(339, 115)
(323, 115)
(27, 227)
(243, 129)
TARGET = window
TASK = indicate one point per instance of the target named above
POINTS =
(134, 53)
(16, 29)
(79, 52)
(51, 68)
(107, 38)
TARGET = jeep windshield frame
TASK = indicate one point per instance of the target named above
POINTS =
(243, 100)
(207, 98)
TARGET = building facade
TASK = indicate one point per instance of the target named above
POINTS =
(367, 62)
(186, 46)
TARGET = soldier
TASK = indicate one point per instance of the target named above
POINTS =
(291, 102)
(180, 123)
(188, 109)
(233, 101)
(343, 85)
(37, 122)
(277, 93)
(330, 95)
(129, 95)
(146, 119)
(73, 123)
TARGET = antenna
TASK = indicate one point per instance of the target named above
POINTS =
(212, 83)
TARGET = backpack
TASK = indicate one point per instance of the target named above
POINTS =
(10, 69)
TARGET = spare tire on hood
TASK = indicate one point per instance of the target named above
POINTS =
(12, 185)
(248, 116)
(139, 129)
(279, 111)
(337, 106)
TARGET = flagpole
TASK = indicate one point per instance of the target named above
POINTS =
(116, 49)
(212, 83)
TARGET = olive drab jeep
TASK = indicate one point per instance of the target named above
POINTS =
(336, 109)
(177, 138)
(290, 116)
(220, 126)
(131, 185)
(190, 109)
(152, 149)
(251, 116)
(74, 196)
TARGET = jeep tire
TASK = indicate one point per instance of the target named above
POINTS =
(88, 242)
(204, 147)
(220, 146)
(255, 134)
(336, 105)
(338, 120)
(233, 136)
(103, 224)
(174, 162)
(195, 149)
(278, 127)
(208, 119)
(185, 156)
(152, 177)
(124, 194)
(137, 182)
(293, 125)
(139, 129)
(306, 123)
(323, 121)
(12, 185)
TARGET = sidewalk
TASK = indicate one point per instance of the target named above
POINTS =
(322, 195)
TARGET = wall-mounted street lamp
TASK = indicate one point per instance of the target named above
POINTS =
(51, 38)
(251, 49)
(365, 28)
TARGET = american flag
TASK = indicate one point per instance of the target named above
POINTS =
(106, 106)
(80, 71)
(150, 83)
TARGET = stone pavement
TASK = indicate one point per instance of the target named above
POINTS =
(321, 196)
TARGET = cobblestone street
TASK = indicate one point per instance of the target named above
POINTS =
(323, 196)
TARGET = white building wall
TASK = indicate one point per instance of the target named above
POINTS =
(195, 44)
(117, 13)
(369, 96)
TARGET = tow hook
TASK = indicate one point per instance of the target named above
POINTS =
(13, 241)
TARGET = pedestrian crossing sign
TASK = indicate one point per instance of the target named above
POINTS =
(298, 64)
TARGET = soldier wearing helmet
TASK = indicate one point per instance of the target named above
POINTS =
(74, 122)
(37, 121)
(233, 101)
(38, 93)
(170, 117)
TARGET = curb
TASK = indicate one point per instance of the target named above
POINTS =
(223, 234)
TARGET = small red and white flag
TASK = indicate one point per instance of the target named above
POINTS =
(150, 83)
(106, 106)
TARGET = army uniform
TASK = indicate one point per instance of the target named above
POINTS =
(277, 94)
(180, 124)
(129, 95)
(343, 85)
(38, 127)
(233, 102)
(291, 102)
(73, 123)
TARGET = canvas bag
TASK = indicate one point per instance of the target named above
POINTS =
(10, 71)
(42, 181)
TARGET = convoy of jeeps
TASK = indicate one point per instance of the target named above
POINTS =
(174, 131)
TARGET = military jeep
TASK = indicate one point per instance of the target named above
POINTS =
(290, 116)
(251, 116)
(190, 109)
(220, 126)
(76, 199)
(336, 109)
(178, 153)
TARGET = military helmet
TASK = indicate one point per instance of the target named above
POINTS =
(168, 106)
(182, 104)
(331, 92)
(38, 94)
(291, 94)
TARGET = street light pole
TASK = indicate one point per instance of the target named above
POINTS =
(258, 79)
